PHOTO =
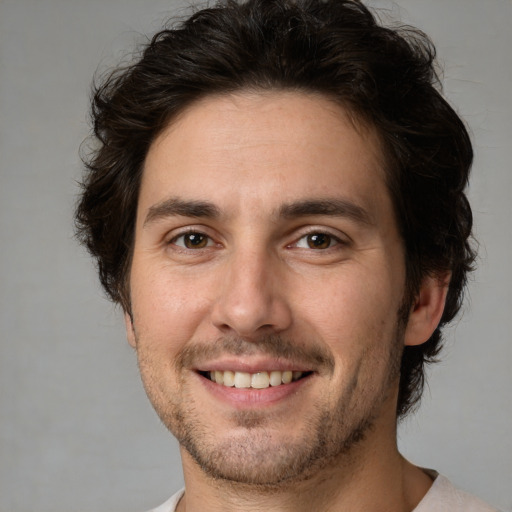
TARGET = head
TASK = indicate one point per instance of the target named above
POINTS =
(384, 79)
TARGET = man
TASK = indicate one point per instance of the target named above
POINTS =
(277, 202)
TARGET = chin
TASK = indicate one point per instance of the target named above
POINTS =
(255, 455)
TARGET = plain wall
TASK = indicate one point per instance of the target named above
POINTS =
(77, 432)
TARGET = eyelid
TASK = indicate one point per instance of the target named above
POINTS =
(333, 242)
(339, 237)
(179, 233)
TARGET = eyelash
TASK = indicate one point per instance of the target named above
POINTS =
(189, 232)
(332, 240)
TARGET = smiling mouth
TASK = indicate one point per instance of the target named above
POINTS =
(258, 380)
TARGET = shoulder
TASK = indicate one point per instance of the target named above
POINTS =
(171, 504)
(443, 496)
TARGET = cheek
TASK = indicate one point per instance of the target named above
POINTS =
(356, 317)
(167, 308)
(348, 302)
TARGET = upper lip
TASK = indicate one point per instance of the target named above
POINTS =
(252, 365)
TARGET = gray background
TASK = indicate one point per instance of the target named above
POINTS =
(76, 431)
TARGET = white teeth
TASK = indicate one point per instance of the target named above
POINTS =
(276, 378)
(228, 380)
(242, 380)
(259, 380)
(287, 377)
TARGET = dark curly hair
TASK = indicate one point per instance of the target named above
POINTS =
(384, 77)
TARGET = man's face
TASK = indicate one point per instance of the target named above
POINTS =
(266, 249)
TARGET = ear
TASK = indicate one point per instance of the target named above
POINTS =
(130, 332)
(427, 310)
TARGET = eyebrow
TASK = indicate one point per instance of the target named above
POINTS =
(174, 206)
(329, 207)
(303, 208)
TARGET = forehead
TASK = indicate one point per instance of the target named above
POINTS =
(263, 149)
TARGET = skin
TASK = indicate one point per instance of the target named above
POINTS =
(276, 280)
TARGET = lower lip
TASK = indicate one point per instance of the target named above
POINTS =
(242, 398)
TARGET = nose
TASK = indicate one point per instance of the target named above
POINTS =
(251, 299)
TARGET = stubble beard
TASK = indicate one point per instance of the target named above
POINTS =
(257, 454)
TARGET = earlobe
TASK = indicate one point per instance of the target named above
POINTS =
(427, 310)
(130, 332)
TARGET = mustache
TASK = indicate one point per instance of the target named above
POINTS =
(315, 355)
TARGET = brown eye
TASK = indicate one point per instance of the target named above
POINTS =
(195, 241)
(319, 241)
(192, 240)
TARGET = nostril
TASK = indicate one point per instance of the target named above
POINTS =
(250, 311)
